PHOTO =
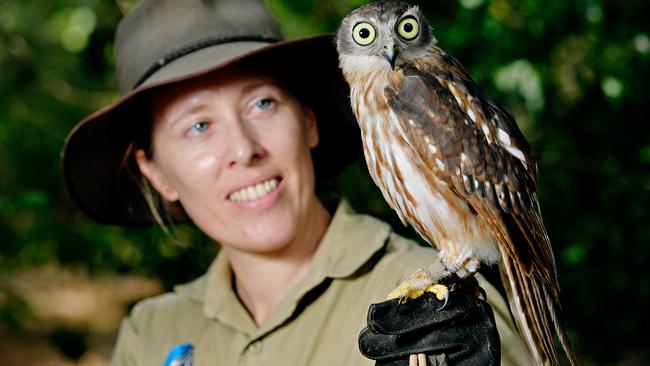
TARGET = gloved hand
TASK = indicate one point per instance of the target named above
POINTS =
(462, 333)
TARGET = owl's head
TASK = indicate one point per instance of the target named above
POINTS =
(390, 31)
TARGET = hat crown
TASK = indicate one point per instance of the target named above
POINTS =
(156, 29)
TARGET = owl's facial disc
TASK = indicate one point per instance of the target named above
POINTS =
(384, 31)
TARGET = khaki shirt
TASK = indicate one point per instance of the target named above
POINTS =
(358, 262)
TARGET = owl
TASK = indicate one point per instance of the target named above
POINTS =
(452, 163)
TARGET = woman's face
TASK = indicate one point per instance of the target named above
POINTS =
(234, 149)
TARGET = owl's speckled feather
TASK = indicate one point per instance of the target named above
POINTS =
(451, 162)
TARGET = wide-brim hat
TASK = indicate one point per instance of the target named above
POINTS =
(162, 42)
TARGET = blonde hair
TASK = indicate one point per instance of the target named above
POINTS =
(162, 212)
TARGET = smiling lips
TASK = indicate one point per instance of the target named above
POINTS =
(254, 192)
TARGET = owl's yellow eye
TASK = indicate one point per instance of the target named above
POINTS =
(363, 33)
(408, 28)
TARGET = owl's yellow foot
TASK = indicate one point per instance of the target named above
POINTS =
(407, 291)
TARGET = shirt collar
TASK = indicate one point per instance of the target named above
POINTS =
(349, 242)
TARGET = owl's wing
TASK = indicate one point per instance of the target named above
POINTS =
(478, 166)
(487, 162)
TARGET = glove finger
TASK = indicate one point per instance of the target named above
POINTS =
(389, 347)
(464, 350)
(377, 346)
(391, 317)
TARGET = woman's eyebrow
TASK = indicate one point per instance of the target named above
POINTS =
(184, 111)
(258, 85)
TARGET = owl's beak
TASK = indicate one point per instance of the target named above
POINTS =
(391, 56)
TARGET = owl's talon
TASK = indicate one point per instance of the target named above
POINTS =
(444, 304)
(441, 291)
(401, 300)
(403, 292)
(407, 291)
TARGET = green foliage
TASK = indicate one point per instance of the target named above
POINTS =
(574, 74)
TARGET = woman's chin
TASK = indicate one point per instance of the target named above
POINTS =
(266, 238)
(269, 245)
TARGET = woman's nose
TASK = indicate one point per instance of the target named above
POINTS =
(244, 147)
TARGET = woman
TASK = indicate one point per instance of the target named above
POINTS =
(218, 125)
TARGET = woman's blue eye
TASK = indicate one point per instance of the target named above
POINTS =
(263, 103)
(199, 127)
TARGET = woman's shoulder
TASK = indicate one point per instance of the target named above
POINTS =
(163, 309)
(157, 324)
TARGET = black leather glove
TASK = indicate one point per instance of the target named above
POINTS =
(462, 333)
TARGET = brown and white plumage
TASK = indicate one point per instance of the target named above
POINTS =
(451, 162)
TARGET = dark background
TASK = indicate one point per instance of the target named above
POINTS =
(574, 73)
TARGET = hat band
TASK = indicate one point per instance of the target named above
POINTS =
(193, 47)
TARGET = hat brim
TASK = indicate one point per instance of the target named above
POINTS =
(94, 152)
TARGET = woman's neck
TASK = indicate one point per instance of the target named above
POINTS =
(262, 280)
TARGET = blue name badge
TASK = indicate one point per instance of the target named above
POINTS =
(180, 355)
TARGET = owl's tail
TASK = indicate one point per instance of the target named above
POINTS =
(535, 307)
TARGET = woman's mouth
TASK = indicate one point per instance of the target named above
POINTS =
(254, 192)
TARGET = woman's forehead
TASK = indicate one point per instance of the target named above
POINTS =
(222, 80)
(230, 80)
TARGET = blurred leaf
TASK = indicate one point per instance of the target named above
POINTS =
(521, 77)
(645, 154)
(574, 253)
(127, 5)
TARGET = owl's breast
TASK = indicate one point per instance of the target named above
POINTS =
(409, 186)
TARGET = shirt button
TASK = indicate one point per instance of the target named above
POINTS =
(255, 347)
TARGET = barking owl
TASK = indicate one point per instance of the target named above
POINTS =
(452, 163)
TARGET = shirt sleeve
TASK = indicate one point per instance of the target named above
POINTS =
(124, 353)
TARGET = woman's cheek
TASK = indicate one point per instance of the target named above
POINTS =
(208, 162)
(193, 173)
